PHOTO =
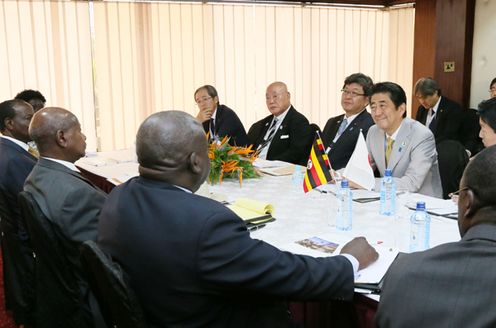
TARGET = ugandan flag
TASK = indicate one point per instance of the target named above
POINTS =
(318, 166)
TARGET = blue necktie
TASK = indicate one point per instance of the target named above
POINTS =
(341, 129)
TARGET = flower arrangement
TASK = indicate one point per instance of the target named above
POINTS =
(230, 162)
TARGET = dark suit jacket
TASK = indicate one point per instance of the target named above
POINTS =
(449, 118)
(18, 263)
(292, 141)
(451, 285)
(192, 262)
(72, 204)
(341, 151)
(227, 123)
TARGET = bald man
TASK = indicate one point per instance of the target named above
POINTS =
(71, 204)
(190, 259)
(284, 135)
(16, 162)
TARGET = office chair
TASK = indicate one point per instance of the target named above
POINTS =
(118, 303)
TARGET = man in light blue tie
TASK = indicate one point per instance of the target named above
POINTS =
(341, 132)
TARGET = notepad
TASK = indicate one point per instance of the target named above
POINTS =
(252, 211)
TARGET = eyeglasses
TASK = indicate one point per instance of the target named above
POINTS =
(202, 100)
(456, 193)
(352, 94)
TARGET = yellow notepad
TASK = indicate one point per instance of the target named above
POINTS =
(252, 211)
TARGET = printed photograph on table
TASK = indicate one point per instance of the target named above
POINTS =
(319, 244)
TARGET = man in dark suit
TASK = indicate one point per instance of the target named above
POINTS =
(218, 120)
(71, 204)
(441, 115)
(16, 162)
(451, 285)
(341, 132)
(190, 259)
(286, 134)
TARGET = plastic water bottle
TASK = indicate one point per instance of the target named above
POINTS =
(419, 229)
(298, 177)
(388, 194)
(344, 215)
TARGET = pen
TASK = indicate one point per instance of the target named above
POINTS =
(256, 227)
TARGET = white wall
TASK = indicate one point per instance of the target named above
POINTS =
(484, 51)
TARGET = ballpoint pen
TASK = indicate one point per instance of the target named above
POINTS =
(256, 227)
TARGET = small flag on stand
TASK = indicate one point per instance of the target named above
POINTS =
(318, 166)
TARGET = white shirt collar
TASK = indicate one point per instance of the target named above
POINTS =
(184, 189)
(281, 117)
(214, 115)
(352, 117)
(395, 134)
(67, 164)
(21, 144)
(436, 106)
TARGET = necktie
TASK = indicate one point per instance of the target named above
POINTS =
(432, 124)
(341, 129)
(213, 133)
(389, 148)
(34, 152)
(270, 134)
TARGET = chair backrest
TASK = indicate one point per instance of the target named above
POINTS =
(118, 303)
(315, 128)
(452, 159)
(58, 289)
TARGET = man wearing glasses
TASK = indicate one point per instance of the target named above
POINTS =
(284, 135)
(218, 120)
(451, 285)
(341, 132)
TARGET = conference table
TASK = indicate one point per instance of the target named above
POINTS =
(301, 216)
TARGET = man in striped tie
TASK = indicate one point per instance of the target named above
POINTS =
(284, 135)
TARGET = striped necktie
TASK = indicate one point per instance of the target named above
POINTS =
(34, 152)
(270, 134)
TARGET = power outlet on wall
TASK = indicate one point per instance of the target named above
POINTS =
(449, 66)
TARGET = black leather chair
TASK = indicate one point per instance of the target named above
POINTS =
(452, 159)
(60, 301)
(18, 263)
(118, 303)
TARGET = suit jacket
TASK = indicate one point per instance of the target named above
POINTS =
(451, 285)
(292, 141)
(18, 263)
(413, 158)
(449, 118)
(227, 123)
(72, 204)
(192, 262)
(341, 151)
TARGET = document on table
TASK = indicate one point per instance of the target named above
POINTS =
(435, 206)
(370, 278)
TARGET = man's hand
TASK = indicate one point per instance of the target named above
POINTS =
(362, 251)
(204, 115)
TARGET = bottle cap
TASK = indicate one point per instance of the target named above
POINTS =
(420, 205)
(388, 173)
(344, 183)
